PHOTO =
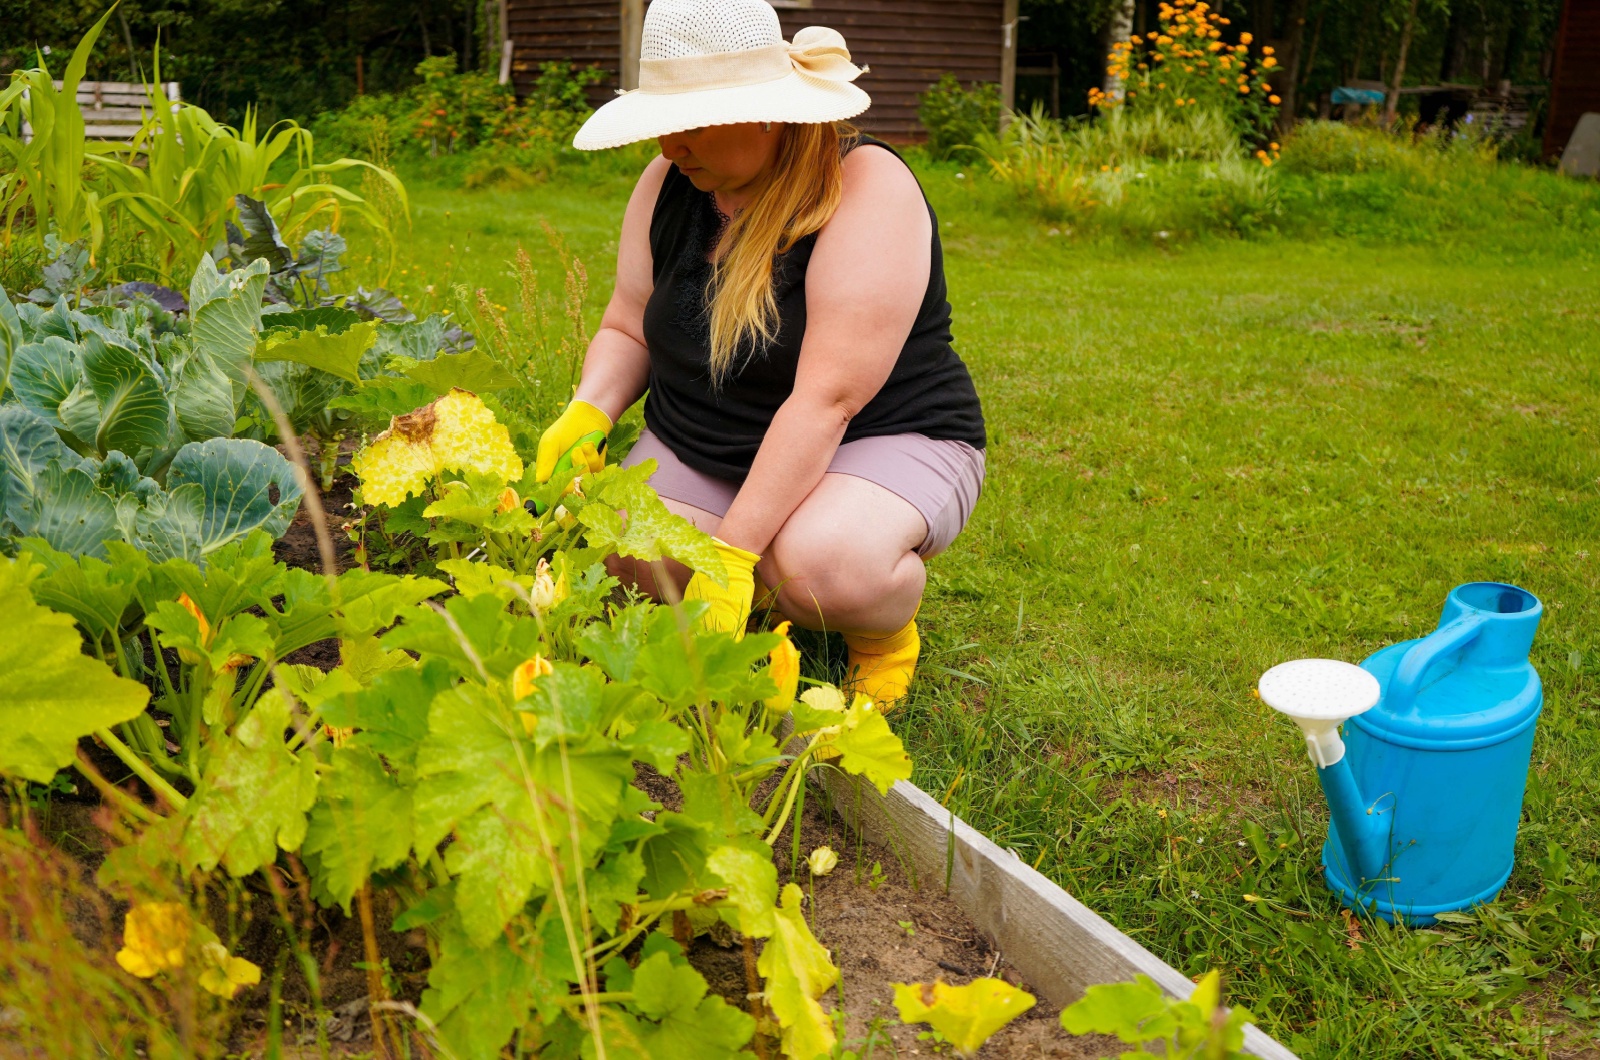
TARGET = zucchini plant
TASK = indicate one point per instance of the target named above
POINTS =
(475, 754)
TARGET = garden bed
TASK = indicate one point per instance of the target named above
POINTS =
(1048, 938)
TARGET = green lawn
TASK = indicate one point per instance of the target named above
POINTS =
(1205, 460)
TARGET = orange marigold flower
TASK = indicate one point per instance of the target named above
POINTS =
(1244, 90)
(1266, 49)
(1274, 100)
(1246, 38)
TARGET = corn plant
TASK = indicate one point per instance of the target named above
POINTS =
(183, 174)
(50, 174)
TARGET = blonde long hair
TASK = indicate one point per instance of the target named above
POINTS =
(800, 195)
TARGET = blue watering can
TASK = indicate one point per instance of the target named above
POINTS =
(1425, 787)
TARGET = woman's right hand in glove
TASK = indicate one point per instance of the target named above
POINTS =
(579, 424)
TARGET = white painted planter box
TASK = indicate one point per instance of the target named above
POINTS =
(1059, 945)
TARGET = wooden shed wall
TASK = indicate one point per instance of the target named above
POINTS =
(907, 43)
(1575, 88)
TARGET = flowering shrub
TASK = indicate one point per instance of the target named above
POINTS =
(451, 113)
(1186, 63)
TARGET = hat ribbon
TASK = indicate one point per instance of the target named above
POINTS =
(816, 52)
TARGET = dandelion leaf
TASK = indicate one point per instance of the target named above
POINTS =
(50, 692)
(797, 972)
(967, 1016)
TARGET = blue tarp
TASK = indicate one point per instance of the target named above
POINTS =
(1357, 95)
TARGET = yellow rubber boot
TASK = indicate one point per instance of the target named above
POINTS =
(881, 664)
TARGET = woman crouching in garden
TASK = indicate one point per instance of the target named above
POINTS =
(781, 296)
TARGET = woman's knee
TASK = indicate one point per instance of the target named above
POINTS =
(823, 578)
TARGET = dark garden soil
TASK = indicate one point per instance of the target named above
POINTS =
(882, 928)
(298, 547)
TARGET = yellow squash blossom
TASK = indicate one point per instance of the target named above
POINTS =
(522, 679)
(785, 671)
(455, 433)
(822, 861)
(224, 975)
(155, 936)
(547, 592)
(508, 500)
(185, 654)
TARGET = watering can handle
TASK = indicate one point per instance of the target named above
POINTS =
(1416, 662)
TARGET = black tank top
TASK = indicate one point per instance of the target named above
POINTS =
(717, 429)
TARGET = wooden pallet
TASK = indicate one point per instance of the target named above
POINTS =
(114, 110)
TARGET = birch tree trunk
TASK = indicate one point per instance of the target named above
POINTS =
(1117, 30)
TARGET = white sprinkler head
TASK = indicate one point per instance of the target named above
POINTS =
(1319, 694)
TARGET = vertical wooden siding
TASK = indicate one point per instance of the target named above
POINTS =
(1575, 88)
(907, 43)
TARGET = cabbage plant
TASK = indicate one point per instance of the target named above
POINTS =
(116, 424)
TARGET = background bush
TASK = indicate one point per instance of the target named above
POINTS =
(957, 117)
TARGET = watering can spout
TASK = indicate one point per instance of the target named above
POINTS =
(1319, 695)
(1363, 834)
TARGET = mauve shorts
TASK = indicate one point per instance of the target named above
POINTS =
(940, 479)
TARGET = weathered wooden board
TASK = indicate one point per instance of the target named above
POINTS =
(1058, 944)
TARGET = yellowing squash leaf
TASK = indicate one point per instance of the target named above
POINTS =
(867, 747)
(797, 972)
(967, 1016)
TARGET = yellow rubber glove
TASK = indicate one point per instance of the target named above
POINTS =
(730, 607)
(572, 427)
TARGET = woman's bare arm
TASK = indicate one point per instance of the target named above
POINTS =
(864, 286)
(616, 368)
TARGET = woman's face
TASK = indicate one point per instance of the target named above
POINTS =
(723, 158)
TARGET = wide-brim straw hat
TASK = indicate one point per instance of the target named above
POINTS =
(722, 62)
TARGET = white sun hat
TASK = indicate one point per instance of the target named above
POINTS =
(721, 62)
